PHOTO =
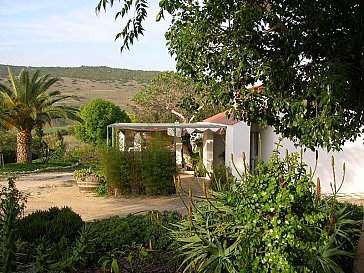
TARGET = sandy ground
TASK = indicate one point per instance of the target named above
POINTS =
(45, 190)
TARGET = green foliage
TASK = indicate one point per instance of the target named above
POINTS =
(8, 146)
(52, 225)
(80, 175)
(273, 221)
(119, 170)
(115, 232)
(133, 27)
(11, 207)
(88, 156)
(310, 81)
(102, 73)
(102, 189)
(28, 104)
(158, 167)
(111, 260)
(64, 256)
(171, 97)
(148, 172)
(48, 146)
(7, 141)
(36, 165)
(279, 44)
(221, 178)
(95, 116)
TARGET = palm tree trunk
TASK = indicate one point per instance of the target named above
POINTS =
(24, 146)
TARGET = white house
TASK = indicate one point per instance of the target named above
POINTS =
(259, 143)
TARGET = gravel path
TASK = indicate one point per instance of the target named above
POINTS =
(45, 190)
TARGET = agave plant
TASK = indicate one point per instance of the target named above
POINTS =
(28, 104)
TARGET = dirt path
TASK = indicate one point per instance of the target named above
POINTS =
(46, 190)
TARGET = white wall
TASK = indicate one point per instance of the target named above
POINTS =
(268, 140)
(208, 149)
(237, 142)
(352, 155)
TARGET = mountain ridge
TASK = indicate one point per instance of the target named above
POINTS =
(113, 84)
(98, 73)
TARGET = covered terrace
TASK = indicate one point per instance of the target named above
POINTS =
(177, 130)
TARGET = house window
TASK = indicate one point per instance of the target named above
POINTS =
(254, 150)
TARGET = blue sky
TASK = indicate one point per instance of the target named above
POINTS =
(69, 33)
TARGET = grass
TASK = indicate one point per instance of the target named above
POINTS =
(49, 130)
(17, 167)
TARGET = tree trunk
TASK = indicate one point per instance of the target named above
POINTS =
(24, 146)
(359, 259)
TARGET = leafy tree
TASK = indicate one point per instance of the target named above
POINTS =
(308, 54)
(95, 116)
(171, 97)
(29, 104)
(7, 141)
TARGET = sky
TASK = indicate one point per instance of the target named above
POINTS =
(69, 33)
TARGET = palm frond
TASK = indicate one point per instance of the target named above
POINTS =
(29, 103)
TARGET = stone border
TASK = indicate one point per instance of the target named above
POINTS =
(43, 170)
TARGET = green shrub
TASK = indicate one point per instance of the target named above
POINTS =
(8, 146)
(127, 241)
(12, 204)
(88, 155)
(48, 146)
(150, 171)
(273, 221)
(51, 224)
(96, 115)
(158, 167)
(101, 190)
(115, 166)
(63, 256)
(117, 232)
(221, 178)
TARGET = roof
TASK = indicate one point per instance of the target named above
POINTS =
(221, 118)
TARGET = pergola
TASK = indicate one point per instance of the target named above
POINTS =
(198, 127)
(177, 128)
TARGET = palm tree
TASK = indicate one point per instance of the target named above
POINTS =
(29, 104)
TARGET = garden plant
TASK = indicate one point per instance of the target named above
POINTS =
(149, 171)
(273, 221)
(29, 104)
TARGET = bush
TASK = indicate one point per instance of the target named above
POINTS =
(119, 170)
(221, 178)
(88, 156)
(150, 171)
(49, 146)
(96, 115)
(8, 146)
(51, 225)
(158, 166)
(274, 221)
(150, 230)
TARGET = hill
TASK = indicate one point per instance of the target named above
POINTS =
(113, 84)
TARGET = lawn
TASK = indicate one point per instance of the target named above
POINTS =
(16, 167)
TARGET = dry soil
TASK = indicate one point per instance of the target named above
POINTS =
(45, 190)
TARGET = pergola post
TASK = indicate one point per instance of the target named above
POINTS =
(112, 137)
(107, 136)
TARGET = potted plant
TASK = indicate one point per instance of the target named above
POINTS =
(87, 179)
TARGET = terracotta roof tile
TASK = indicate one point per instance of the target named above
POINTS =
(221, 119)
